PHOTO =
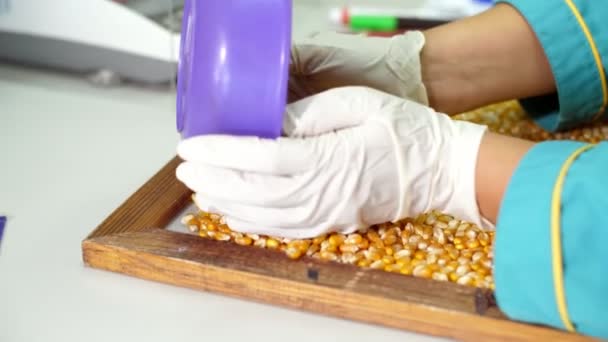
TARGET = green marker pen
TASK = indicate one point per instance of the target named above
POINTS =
(379, 22)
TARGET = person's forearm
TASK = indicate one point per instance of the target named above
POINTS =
(485, 59)
(497, 160)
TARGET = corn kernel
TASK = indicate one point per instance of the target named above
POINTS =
(222, 236)
(465, 280)
(372, 235)
(347, 248)
(420, 255)
(349, 258)
(364, 263)
(319, 239)
(336, 239)
(388, 259)
(403, 253)
(312, 249)
(272, 243)
(243, 240)
(353, 239)
(377, 264)
(422, 271)
(261, 242)
(472, 244)
(439, 276)
(406, 269)
(293, 253)
(326, 255)
(389, 240)
(392, 268)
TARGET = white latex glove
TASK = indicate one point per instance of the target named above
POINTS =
(329, 60)
(353, 157)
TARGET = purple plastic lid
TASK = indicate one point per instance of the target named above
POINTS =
(233, 67)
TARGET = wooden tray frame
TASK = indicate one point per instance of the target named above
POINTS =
(133, 241)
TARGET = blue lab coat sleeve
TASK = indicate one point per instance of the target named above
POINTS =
(551, 248)
(574, 37)
(533, 204)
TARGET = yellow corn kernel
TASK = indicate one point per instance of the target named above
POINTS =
(416, 262)
(467, 254)
(440, 276)
(364, 244)
(326, 255)
(222, 236)
(482, 271)
(389, 239)
(377, 264)
(465, 280)
(403, 253)
(392, 268)
(349, 258)
(336, 239)
(403, 261)
(364, 262)
(420, 255)
(422, 271)
(372, 235)
(210, 226)
(472, 244)
(272, 243)
(347, 248)
(484, 239)
(406, 269)
(319, 239)
(353, 239)
(312, 249)
(243, 240)
(261, 242)
(388, 259)
(224, 229)
(373, 255)
(293, 253)
(378, 244)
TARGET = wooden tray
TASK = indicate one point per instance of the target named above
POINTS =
(133, 240)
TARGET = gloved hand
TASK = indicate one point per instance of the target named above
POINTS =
(329, 60)
(353, 157)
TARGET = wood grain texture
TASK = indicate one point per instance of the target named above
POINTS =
(129, 241)
(393, 300)
(153, 205)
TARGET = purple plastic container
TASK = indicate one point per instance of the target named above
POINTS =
(233, 67)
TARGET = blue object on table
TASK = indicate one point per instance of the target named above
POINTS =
(2, 223)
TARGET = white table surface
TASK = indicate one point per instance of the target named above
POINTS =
(70, 153)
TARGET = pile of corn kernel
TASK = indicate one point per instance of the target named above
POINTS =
(433, 245)
(509, 118)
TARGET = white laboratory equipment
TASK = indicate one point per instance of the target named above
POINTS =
(137, 39)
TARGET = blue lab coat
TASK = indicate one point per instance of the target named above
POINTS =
(552, 230)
